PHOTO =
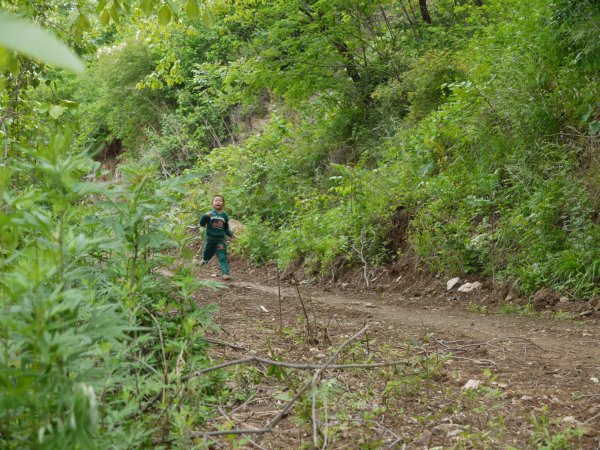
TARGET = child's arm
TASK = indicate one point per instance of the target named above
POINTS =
(205, 219)
(228, 231)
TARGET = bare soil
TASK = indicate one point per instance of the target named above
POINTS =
(536, 377)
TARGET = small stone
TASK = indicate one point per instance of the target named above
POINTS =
(320, 355)
(571, 421)
(526, 398)
(451, 284)
(470, 287)
(472, 384)
(314, 350)
(454, 433)
(425, 438)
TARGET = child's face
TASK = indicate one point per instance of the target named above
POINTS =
(218, 203)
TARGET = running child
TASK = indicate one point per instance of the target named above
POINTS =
(216, 222)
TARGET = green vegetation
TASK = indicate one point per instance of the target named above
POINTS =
(358, 133)
(459, 134)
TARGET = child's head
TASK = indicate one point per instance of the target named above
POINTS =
(218, 202)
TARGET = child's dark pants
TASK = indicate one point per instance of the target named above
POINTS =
(216, 245)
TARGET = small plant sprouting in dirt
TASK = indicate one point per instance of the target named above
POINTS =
(544, 437)
(521, 310)
(477, 309)
(563, 315)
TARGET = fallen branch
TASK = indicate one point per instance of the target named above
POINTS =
(224, 344)
(507, 338)
(315, 381)
(479, 344)
(289, 365)
(231, 420)
(308, 328)
(275, 421)
(476, 361)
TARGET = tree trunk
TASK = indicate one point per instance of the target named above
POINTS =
(424, 11)
(478, 2)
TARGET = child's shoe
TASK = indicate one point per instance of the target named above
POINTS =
(226, 277)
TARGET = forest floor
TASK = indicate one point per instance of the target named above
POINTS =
(473, 372)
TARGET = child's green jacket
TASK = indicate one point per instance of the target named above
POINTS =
(217, 224)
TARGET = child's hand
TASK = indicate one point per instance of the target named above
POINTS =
(208, 214)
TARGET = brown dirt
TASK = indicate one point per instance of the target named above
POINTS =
(530, 367)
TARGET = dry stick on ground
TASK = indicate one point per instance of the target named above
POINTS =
(317, 375)
(506, 338)
(271, 362)
(275, 363)
(225, 344)
(273, 423)
(230, 420)
(310, 334)
(280, 299)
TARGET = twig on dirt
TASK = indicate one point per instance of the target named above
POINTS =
(480, 344)
(225, 344)
(506, 338)
(273, 423)
(279, 299)
(317, 375)
(476, 361)
(288, 365)
(222, 411)
(591, 418)
(247, 402)
(308, 328)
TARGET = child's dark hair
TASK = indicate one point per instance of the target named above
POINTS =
(218, 195)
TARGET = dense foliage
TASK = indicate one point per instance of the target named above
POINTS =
(462, 136)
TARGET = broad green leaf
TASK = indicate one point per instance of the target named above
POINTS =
(105, 18)
(208, 19)
(147, 6)
(82, 23)
(192, 10)
(69, 103)
(114, 12)
(56, 111)
(31, 40)
(164, 15)
(101, 5)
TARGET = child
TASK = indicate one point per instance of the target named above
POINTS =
(216, 222)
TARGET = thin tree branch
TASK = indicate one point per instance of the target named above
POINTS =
(273, 423)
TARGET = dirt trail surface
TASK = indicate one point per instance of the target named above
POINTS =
(535, 380)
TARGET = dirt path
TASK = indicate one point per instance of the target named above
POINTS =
(536, 366)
